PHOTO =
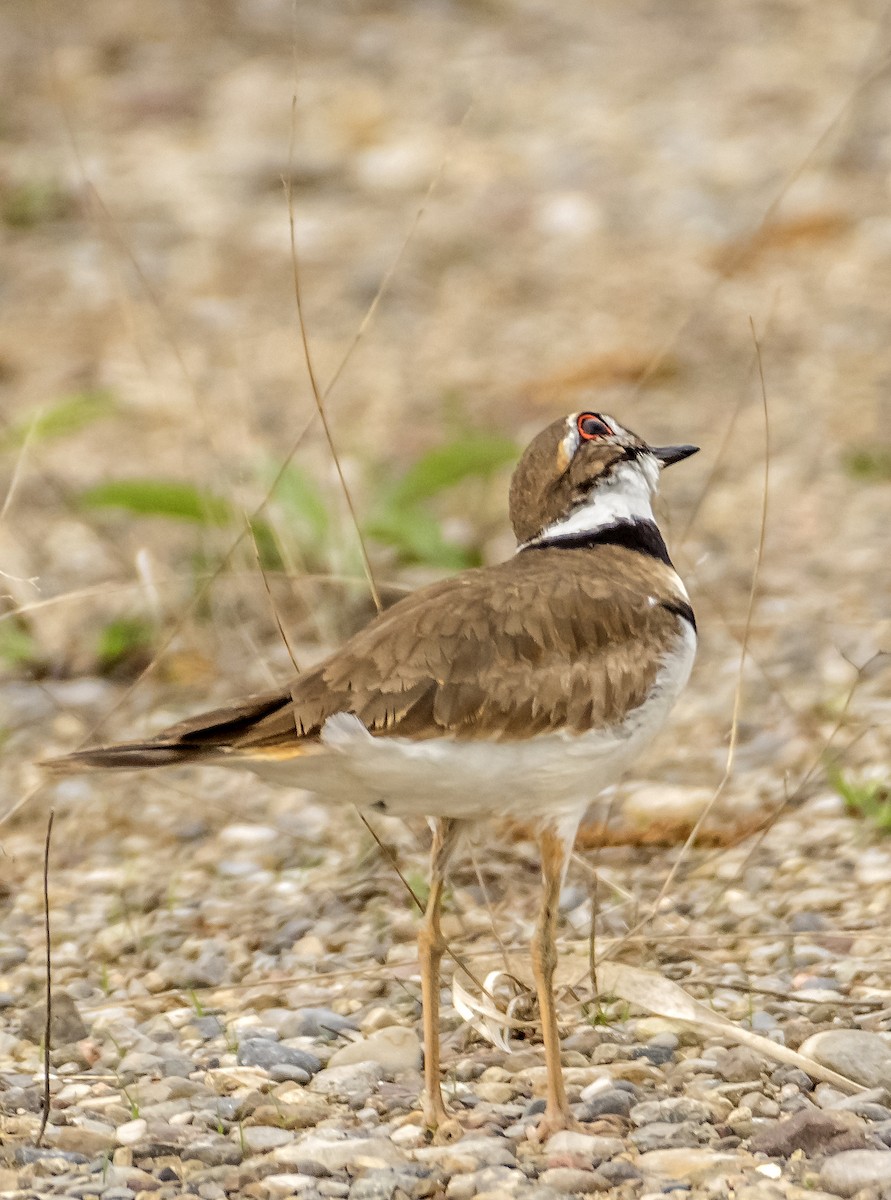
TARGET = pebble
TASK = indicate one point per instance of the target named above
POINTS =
(675, 1109)
(612, 1102)
(847, 1173)
(811, 1130)
(396, 1048)
(858, 1055)
(740, 1065)
(139, 1063)
(11, 955)
(618, 1170)
(280, 1186)
(308, 1022)
(469, 1154)
(265, 1053)
(690, 1165)
(569, 1179)
(261, 1138)
(213, 1151)
(670, 1135)
(66, 1024)
(467, 1186)
(409, 1137)
(334, 1151)
(591, 1146)
(352, 1080)
(131, 1132)
(80, 1139)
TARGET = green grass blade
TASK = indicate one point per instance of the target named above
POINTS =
(471, 456)
(59, 420)
(161, 498)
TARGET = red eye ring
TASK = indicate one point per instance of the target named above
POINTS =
(591, 426)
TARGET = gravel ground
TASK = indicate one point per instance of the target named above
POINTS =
(236, 1000)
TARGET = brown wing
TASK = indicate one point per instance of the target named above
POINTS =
(548, 640)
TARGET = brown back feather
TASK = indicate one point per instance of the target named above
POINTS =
(551, 639)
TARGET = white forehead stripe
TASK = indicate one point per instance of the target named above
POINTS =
(571, 438)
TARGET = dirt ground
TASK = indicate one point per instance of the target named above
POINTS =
(522, 208)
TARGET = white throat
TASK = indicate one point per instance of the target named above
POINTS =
(626, 495)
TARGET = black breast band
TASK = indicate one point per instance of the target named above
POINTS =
(641, 536)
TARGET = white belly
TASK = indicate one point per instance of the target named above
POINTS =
(549, 776)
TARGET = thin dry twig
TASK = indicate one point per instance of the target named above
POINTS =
(47, 1028)
(737, 699)
(307, 358)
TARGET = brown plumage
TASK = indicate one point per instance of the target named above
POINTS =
(552, 639)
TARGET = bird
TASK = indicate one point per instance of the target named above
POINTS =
(515, 692)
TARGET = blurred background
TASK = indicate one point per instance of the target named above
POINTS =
(502, 212)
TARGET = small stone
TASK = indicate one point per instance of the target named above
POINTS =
(409, 1137)
(858, 1055)
(213, 1151)
(568, 1179)
(811, 1130)
(139, 1063)
(286, 1073)
(308, 1022)
(689, 1165)
(675, 1109)
(180, 1068)
(618, 1170)
(740, 1065)
(25, 1155)
(261, 1138)
(495, 1093)
(592, 1146)
(11, 954)
(131, 1132)
(301, 1107)
(670, 1135)
(265, 1053)
(208, 1027)
(280, 1186)
(808, 922)
(611, 1102)
(66, 1025)
(469, 1154)
(352, 1079)
(82, 1141)
(248, 835)
(379, 1018)
(396, 1048)
(337, 1152)
(486, 1180)
(849, 1172)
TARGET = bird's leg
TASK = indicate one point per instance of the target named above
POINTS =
(555, 847)
(431, 946)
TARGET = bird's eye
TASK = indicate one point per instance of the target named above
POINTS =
(592, 426)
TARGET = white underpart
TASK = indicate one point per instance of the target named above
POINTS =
(547, 780)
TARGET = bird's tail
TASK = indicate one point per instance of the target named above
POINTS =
(209, 737)
(130, 756)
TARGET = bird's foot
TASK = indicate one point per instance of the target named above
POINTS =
(551, 1123)
(444, 1126)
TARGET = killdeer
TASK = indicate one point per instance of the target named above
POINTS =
(514, 691)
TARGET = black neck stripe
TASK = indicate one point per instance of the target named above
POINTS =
(641, 536)
(681, 609)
